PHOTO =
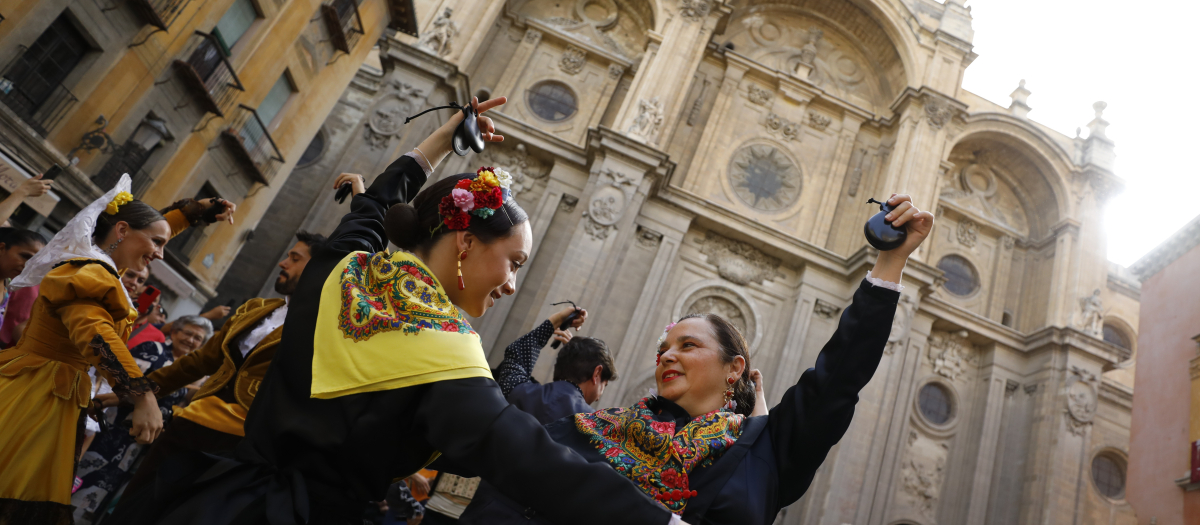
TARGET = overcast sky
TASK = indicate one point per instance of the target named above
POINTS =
(1142, 60)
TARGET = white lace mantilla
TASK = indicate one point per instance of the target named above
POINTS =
(74, 241)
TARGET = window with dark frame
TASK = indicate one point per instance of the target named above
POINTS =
(961, 278)
(1109, 476)
(934, 402)
(552, 101)
(34, 78)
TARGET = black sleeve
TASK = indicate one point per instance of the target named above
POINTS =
(472, 424)
(815, 413)
(521, 355)
(362, 228)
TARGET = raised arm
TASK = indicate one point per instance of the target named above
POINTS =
(815, 413)
(517, 367)
(513, 453)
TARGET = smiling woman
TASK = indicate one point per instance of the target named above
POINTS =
(81, 318)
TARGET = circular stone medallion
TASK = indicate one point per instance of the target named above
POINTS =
(764, 178)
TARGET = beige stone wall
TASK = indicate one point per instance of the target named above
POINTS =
(718, 160)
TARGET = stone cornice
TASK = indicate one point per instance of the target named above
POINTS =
(1166, 253)
(533, 135)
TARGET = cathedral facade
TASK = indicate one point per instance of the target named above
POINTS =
(683, 156)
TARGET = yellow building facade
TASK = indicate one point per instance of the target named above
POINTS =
(191, 98)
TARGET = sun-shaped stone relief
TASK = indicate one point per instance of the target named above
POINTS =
(764, 178)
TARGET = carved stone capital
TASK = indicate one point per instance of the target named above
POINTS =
(573, 59)
(818, 121)
(739, 262)
(825, 309)
(951, 354)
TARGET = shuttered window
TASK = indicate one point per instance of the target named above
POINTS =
(234, 24)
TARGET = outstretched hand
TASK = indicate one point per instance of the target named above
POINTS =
(438, 144)
(227, 211)
(890, 264)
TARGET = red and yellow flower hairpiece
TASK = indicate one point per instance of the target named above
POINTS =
(480, 197)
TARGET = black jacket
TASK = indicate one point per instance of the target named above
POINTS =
(773, 462)
(322, 459)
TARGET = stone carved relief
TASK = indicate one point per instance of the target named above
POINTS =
(819, 122)
(922, 473)
(725, 303)
(1091, 314)
(856, 171)
(618, 28)
(648, 121)
(648, 238)
(1081, 400)
(533, 36)
(1007, 241)
(698, 104)
(739, 262)
(968, 233)
(694, 10)
(795, 44)
(781, 127)
(951, 354)
(938, 112)
(388, 116)
(759, 95)
(573, 59)
(440, 34)
(615, 71)
(764, 178)
(607, 203)
(825, 309)
(567, 203)
(526, 170)
(901, 324)
(974, 184)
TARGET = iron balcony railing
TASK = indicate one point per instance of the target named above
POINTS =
(253, 146)
(344, 23)
(205, 71)
(159, 13)
(37, 99)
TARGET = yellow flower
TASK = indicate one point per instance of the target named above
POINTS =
(121, 199)
(479, 185)
(489, 178)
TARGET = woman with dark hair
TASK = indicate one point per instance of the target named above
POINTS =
(80, 319)
(380, 373)
(696, 446)
(17, 246)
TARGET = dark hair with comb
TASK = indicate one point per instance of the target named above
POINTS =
(418, 225)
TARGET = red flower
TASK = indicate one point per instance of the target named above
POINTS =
(446, 208)
(489, 199)
(665, 427)
(429, 281)
(463, 184)
(458, 220)
(415, 272)
(485, 168)
(448, 326)
(612, 453)
(670, 478)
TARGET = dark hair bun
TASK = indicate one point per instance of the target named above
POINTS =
(403, 226)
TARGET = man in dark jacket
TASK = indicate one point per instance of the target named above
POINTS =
(582, 371)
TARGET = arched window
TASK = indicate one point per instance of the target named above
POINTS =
(1117, 337)
(314, 151)
(961, 278)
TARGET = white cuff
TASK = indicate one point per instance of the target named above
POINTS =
(675, 520)
(90, 426)
(421, 161)
(897, 287)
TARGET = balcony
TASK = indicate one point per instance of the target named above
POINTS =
(252, 146)
(159, 13)
(207, 74)
(345, 26)
(37, 99)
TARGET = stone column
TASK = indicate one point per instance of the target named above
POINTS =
(652, 105)
(838, 167)
(735, 69)
(508, 80)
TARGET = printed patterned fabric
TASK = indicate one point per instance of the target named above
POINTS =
(379, 295)
(385, 322)
(653, 454)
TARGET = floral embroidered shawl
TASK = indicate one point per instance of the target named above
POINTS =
(384, 323)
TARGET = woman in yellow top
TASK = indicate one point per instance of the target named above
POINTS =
(81, 318)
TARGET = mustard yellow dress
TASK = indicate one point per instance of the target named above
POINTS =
(81, 318)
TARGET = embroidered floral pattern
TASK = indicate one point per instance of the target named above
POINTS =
(652, 454)
(380, 295)
(109, 363)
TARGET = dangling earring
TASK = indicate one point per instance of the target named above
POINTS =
(113, 246)
(461, 255)
(730, 402)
